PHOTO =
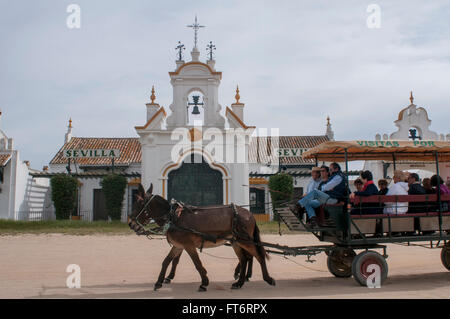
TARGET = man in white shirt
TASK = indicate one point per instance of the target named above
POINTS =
(400, 187)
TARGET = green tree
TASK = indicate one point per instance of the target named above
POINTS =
(64, 195)
(113, 186)
(281, 188)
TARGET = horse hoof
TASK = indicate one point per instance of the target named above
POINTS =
(272, 282)
(247, 279)
(236, 285)
(157, 286)
(167, 281)
(201, 288)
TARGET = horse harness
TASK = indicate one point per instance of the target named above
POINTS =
(170, 222)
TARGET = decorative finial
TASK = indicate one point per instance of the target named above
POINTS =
(210, 47)
(329, 133)
(180, 47)
(411, 98)
(196, 27)
(153, 97)
(237, 95)
(70, 123)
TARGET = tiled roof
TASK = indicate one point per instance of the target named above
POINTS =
(259, 145)
(4, 158)
(130, 150)
(87, 174)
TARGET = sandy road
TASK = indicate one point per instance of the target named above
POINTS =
(34, 266)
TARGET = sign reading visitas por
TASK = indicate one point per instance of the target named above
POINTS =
(97, 153)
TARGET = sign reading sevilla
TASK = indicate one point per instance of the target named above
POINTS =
(291, 152)
(98, 153)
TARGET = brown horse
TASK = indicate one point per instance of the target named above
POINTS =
(201, 227)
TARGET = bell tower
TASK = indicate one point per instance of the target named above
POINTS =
(190, 82)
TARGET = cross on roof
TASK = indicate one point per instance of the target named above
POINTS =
(180, 47)
(210, 47)
(196, 27)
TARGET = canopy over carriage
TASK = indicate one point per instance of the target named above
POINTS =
(340, 151)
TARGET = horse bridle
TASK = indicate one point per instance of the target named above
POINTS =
(164, 218)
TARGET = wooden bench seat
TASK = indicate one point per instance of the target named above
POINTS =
(429, 221)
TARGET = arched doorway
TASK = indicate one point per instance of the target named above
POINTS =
(196, 183)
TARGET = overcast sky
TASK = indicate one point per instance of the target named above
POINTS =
(295, 62)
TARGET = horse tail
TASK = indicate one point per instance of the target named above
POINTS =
(257, 239)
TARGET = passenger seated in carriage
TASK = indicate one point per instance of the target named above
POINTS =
(368, 189)
(400, 187)
(426, 183)
(415, 189)
(358, 184)
(315, 180)
(383, 187)
(444, 190)
(332, 192)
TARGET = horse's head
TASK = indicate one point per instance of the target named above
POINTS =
(147, 207)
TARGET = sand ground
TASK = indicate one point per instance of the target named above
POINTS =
(34, 266)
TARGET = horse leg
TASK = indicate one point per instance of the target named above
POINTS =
(249, 268)
(243, 267)
(175, 261)
(237, 271)
(198, 265)
(172, 254)
(258, 253)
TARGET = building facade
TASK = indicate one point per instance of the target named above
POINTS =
(412, 123)
(22, 197)
(196, 151)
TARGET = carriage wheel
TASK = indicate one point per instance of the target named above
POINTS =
(361, 266)
(339, 262)
(445, 256)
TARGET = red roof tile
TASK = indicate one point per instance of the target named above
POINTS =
(4, 158)
(257, 153)
(130, 150)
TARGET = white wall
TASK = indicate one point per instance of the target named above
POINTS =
(5, 195)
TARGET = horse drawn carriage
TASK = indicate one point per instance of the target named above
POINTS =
(367, 233)
(190, 228)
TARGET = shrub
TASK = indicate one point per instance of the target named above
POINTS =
(281, 188)
(64, 195)
(113, 186)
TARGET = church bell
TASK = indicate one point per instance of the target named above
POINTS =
(195, 111)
